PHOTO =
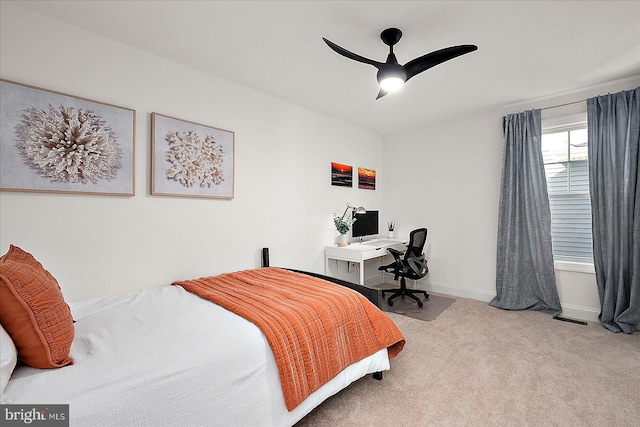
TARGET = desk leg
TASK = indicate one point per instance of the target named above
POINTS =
(361, 271)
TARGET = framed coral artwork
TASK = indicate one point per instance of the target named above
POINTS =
(54, 142)
(190, 159)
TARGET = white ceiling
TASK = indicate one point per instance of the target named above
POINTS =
(527, 49)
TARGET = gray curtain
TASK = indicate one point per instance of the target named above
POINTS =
(525, 278)
(614, 182)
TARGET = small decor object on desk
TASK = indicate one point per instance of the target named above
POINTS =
(342, 240)
(343, 223)
(391, 225)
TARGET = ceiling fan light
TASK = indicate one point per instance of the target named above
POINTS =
(391, 77)
(391, 84)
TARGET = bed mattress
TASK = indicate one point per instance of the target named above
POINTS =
(166, 357)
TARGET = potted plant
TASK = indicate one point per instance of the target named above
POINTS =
(343, 224)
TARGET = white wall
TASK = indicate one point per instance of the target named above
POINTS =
(452, 175)
(97, 245)
(450, 178)
(444, 176)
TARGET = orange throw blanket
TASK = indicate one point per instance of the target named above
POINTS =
(315, 328)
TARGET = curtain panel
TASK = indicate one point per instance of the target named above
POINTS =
(525, 277)
(614, 183)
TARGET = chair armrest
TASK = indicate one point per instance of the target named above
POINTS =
(394, 251)
(397, 255)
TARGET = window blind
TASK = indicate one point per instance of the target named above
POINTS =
(568, 188)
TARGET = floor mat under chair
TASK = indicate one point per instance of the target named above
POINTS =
(431, 309)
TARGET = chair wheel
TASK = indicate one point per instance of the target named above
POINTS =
(390, 302)
(419, 303)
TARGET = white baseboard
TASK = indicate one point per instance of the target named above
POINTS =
(580, 313)
(568, 310)
(458, 291)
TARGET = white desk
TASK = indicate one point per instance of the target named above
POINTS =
(360, 252)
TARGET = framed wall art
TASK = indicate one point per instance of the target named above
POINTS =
(54, 142)
(190, 159)
(366, 179)
(341, 175)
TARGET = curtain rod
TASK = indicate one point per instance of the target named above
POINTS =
(564, 105)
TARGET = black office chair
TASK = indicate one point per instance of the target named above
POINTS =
(413, 265)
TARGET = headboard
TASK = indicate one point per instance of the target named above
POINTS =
(373, 295)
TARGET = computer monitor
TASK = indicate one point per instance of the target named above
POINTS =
(366, 224)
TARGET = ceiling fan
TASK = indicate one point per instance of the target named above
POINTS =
(391, 75)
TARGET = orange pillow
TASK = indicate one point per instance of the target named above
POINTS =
(33, 311)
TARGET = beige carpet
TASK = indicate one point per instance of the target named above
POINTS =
(476, 365)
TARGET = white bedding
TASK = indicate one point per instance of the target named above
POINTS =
(166, 357)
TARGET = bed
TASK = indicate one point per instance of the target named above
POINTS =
(167, 357)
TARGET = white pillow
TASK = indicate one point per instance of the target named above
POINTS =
(8, 360)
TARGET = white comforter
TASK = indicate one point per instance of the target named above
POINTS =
(165, 357)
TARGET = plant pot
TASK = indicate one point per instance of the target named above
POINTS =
(342, 240)
(391, 234)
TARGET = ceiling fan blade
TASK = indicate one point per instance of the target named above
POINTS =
(344, 52)
(432, 59)
(382, 93)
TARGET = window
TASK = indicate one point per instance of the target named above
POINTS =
(565, 156)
